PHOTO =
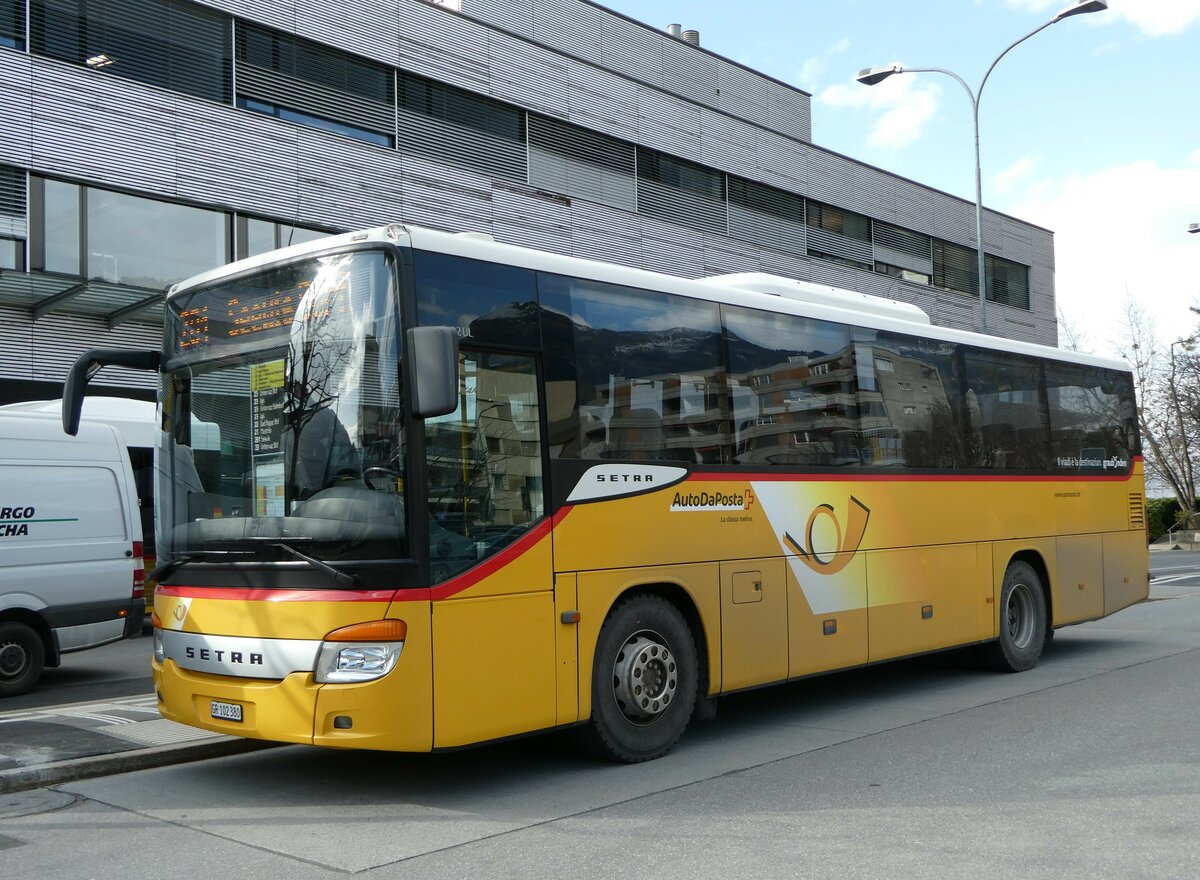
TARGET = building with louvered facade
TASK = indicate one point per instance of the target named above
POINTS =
(147, 140)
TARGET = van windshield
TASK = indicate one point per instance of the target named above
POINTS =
(283, 415)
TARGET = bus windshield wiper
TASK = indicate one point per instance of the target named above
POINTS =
(160, 572)
(342, 577)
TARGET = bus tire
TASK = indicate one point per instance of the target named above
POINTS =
(1023, 623)
(22, 658)
(644, 681)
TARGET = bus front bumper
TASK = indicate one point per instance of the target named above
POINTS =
(384, 714)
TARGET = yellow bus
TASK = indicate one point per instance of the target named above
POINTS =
(467, 491)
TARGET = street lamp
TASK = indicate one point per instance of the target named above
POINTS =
(870, 76)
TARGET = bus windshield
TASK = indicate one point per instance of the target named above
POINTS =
(298, 368)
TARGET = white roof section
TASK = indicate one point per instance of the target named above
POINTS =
(135, 421)
(820, 294)
(39, 437)
(836, 305)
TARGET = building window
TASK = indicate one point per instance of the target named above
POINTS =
(1007, 282)
(167, 43)
(682, 192)
(581, 163)
(12, 254)
(122, 239)
(310, 84)
(12, 24)
(767, 216)
(453, 125)
(837, 220)
(255, 236)
(343, 128)
(957, 268)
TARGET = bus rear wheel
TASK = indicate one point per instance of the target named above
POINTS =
(22, 658)
(1023, 624)
(644, 681)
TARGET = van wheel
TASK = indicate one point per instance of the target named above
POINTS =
(22, 658)
(644, 681)
(1023, 623)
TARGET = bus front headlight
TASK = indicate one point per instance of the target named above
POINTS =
(362, 652)
(160, 653)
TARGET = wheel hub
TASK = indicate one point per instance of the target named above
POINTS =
(644, 677)
(13, 659)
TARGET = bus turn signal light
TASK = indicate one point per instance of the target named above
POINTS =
(371, 631)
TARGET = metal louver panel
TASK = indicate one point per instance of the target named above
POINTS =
(531, 220)
(600, 233)
(16, 343)
(172, 44)
(528, 76)
(443, 196)
(668, 124)
(49, 359)
(12, 202)
(130, 138)
(444, 46)
(214, 139)
(689, 72)
(603, 102)
(16, 88)
(583, 164)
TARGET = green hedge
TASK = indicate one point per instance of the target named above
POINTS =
(1162, 514)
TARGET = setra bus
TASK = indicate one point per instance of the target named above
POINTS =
(467, 491)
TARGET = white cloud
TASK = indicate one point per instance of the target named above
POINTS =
(905, 103)
(1154, 18)
(1121, 231)
(813, 68)
(1008, 179)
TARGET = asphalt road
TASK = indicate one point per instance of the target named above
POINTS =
(1088, 765)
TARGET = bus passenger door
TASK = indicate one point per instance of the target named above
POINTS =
(754, 623)
(495, 657)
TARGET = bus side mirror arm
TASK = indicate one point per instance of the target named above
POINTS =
(87, 365)
(433, 369)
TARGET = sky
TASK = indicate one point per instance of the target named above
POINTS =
(1091, 128)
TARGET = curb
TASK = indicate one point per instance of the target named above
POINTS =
(42, 775)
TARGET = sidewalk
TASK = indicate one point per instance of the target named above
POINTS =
(53, 744)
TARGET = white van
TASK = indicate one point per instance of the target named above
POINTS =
(137, 423)
(71, 568)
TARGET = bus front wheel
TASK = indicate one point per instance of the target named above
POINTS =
(1023, 624)
(644, 680)
(22, 658)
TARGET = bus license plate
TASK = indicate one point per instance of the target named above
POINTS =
(226, 711)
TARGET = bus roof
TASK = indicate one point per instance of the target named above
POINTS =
(752, 290)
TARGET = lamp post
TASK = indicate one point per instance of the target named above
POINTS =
(870, 76)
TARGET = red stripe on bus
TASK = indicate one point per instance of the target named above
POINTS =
(492, 565)
(265, 594)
